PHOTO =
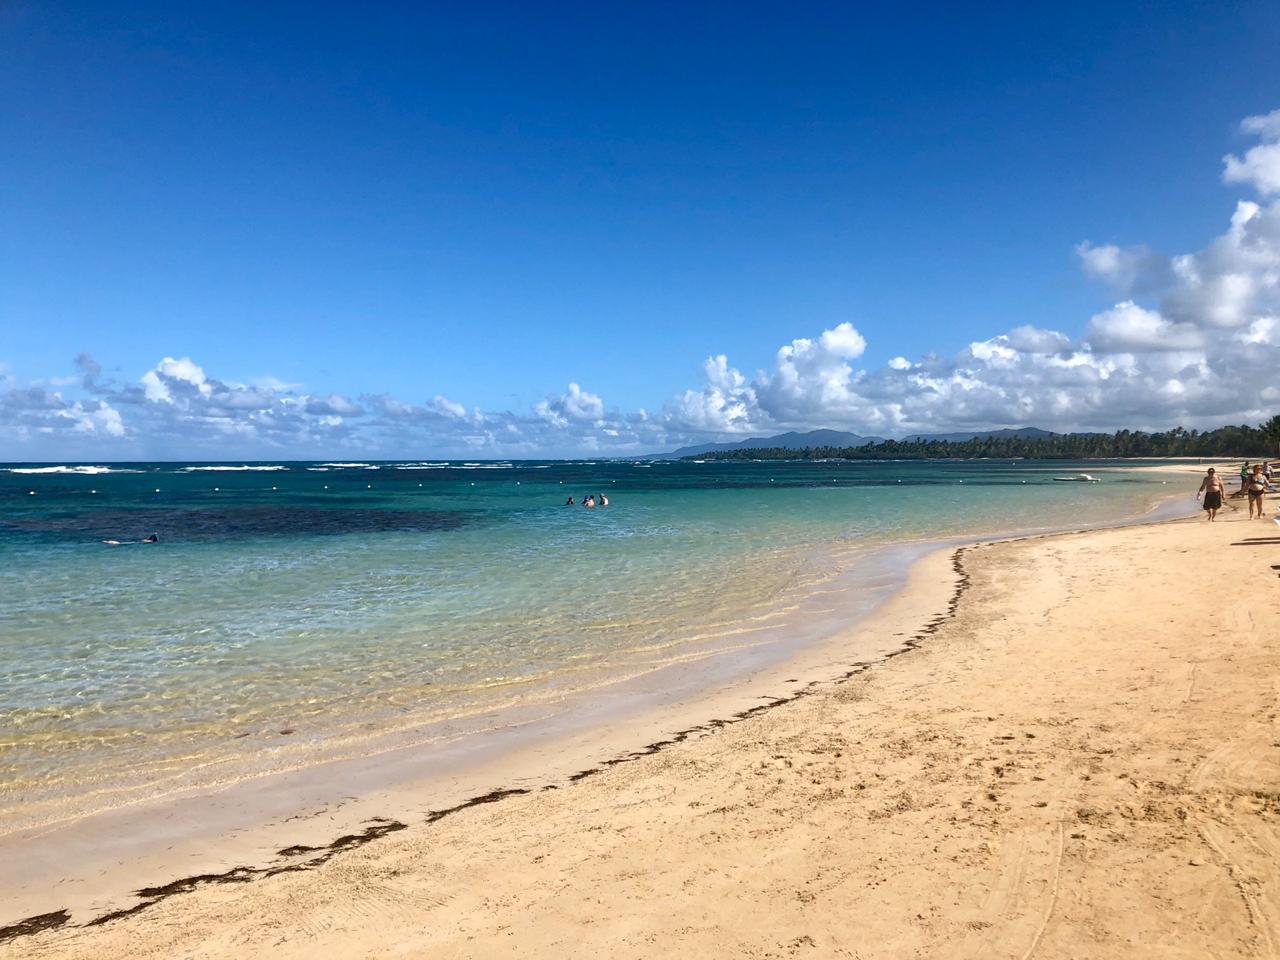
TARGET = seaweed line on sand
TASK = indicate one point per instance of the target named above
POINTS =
(379, 827)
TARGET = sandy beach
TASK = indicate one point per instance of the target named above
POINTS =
(1064, 746)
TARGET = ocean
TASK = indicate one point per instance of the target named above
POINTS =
(292, 612)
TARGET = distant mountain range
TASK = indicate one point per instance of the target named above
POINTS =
(838, 438)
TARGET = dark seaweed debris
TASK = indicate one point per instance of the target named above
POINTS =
(24, 928)
(380, 827)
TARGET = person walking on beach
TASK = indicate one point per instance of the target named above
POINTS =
(1257, 487)
(1211, 487)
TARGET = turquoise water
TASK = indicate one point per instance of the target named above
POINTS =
(331, 600)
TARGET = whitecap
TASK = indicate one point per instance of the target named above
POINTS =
(241, 468)
(67, 469)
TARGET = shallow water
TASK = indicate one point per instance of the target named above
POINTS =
(330, 599)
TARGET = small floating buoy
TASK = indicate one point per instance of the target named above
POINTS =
(157, 489)
(326, 486)
(275, 488)
(93, 491)
(31, 493)
(368, 486)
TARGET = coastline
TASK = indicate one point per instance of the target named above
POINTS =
(1068, 767)
(244, 832)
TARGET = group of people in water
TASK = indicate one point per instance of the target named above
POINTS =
(590, 500)
(1255, 481)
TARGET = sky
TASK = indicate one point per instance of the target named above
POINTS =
(518, 230)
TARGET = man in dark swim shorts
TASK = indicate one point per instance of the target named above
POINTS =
(1211, 487)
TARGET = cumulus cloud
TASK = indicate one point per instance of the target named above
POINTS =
(573, 406)
(32, 412)
(724, 404)
(335, 404)
(1127, 327)
(1260, 166)
(169, 375)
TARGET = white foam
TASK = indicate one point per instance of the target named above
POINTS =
(366, 466)
(66, 469)
(241, 468)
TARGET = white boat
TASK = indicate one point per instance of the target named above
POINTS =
(1078, 478)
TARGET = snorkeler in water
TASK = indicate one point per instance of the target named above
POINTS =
(150, 538)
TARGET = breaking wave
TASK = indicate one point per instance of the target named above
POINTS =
(239, 469)
(90, 471)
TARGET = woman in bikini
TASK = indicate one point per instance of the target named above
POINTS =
(1257, 486)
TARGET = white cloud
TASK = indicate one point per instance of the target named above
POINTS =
(575, 406)
(1127, 270)
(33, 412)
(843, 341)
(447, 406)
(1260, 165)
(1127, 327)
(724, 404)
(335, 404)
(1029, 339)
(1266, 126)
(172, 376)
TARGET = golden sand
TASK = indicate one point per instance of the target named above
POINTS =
(1082, 759)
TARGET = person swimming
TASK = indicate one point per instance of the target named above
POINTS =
(569, 502)
(150, 538)
(604, 501)
(590, 501)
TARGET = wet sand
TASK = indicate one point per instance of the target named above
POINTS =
(1076, 754)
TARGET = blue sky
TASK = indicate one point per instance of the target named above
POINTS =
(445, 215)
